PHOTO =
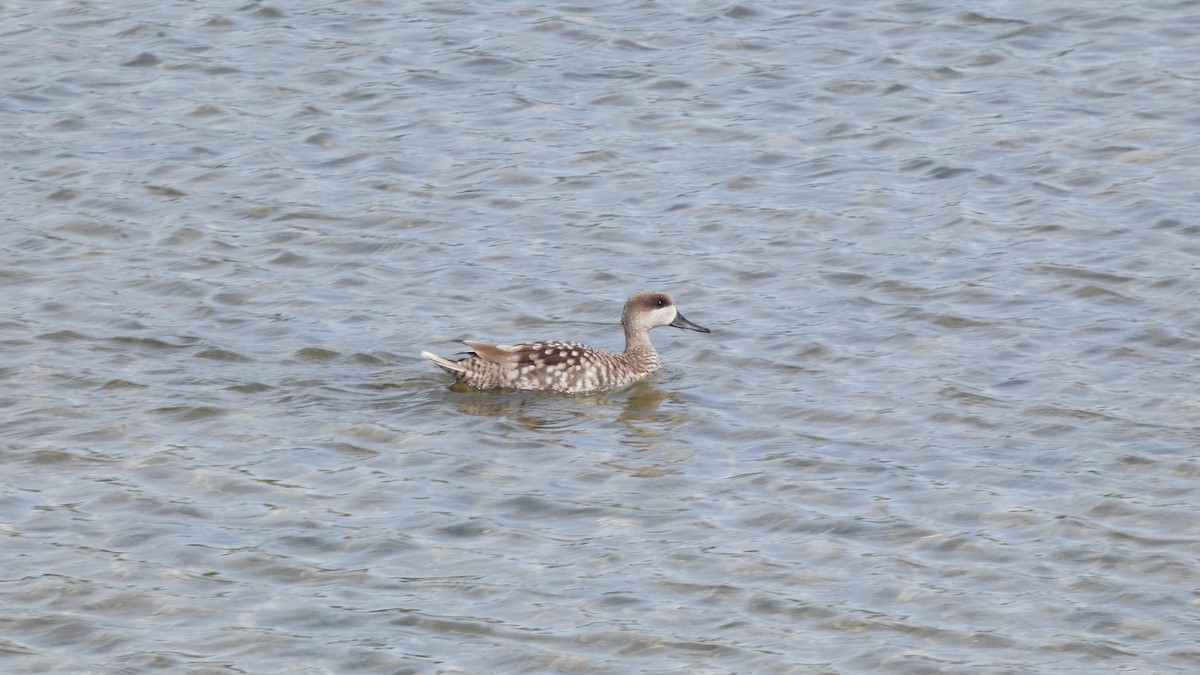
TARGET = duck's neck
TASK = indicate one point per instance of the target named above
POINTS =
(637, 343)
(639, 353)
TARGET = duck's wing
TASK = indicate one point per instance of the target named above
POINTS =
(542, 354)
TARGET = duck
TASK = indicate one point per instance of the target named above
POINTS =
(572, 367)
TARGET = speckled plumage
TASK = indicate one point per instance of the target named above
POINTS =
(571, 367)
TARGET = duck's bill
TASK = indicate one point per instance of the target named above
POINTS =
(681, 322)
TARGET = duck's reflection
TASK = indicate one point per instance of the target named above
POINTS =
(540, 411)
(633, 430)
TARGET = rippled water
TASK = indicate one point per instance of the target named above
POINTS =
(947, 419)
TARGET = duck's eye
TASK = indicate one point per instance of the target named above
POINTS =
(660, 302)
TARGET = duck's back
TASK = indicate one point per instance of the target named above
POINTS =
(567, 367)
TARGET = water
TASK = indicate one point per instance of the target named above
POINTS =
(946, 421)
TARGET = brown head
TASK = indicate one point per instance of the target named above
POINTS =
(646, 310)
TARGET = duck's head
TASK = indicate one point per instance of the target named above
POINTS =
(650, 309)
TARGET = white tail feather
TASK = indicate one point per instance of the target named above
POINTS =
(446, 364)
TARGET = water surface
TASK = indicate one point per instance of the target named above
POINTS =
(946, 421)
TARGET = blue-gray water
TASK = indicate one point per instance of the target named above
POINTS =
(947, 420)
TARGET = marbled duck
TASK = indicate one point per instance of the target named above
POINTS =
(571, 367)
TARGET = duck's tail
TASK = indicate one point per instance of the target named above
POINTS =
(447, 365)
